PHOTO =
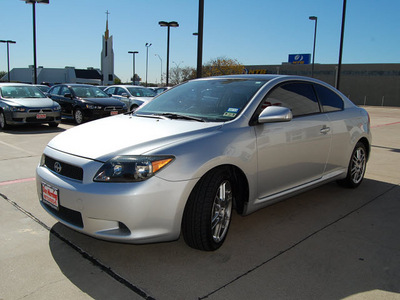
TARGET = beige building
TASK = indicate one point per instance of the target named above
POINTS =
(364, 84)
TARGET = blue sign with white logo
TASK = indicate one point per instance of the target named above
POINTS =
(300, 59)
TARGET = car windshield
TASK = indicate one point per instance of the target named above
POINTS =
(21, 92)
(210, 100)
(88, 92)
(141, 92)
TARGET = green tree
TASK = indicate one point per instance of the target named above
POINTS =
(222, 66)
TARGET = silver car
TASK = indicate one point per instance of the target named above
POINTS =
(133, 96)
(26, 104)
(180, 164)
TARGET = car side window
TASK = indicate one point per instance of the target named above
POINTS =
(298, 97)
(111, 91)
(55, 90)
(121, 91)
(65, 90)
(329, 100)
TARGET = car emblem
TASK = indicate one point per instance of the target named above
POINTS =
(57, 167)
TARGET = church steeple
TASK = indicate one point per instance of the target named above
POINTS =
(107, 57)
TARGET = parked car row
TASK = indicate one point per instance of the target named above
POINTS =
(38, 104)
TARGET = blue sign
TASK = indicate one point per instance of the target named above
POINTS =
(300, 59)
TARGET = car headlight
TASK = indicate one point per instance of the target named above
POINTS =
(131, 168)
(57, 108)
(91, 106)
(18, 108)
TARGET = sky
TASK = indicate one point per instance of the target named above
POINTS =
(254, 32)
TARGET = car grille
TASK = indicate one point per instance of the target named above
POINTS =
(43, 110)
(110, 108)
(63, 168)
(71, 216)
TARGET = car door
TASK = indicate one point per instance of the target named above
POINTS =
(67, 101)
(294, 153)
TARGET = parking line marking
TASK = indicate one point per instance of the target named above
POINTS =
(17, 181)
(381, 125)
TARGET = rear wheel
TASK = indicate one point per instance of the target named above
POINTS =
(357, 166)
(3, 122)
(78, 116)
(208, 212)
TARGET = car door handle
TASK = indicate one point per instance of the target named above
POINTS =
(325, 129)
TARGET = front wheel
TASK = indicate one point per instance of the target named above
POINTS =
(3, 123)
(357, 166)
(208, 212)
(78, 116)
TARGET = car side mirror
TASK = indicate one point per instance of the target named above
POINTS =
(273, 114)
(68, 95)
(125, 95)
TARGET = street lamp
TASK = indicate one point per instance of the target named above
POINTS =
(133, 63)
(147, 58)
(33, 2)
(8, 56)
(161, 66)
(313, 18)
(168, 24)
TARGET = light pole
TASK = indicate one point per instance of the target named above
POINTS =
(33, 2)
(313, 18)
(200, 40)
(341, 45)
(161, 66)
(168, 24)
(8, 56)
(147, 58)
(133, 64)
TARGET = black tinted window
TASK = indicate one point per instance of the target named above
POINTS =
(54, 90)
(299, 97)
(330, 101)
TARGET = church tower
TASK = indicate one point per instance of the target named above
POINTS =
(107, 57)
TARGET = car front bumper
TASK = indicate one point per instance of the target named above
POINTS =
(137, 212)
(16, 118)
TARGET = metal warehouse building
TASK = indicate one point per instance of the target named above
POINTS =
(364, 84)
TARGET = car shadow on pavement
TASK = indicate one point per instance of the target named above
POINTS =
(32, 129)
(327, 243)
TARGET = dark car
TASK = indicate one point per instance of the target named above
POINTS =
(82, 102)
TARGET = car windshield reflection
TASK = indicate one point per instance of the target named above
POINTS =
(89, 92)
(12, 92)
(211, 100)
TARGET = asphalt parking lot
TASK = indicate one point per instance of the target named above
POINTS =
(328, 243)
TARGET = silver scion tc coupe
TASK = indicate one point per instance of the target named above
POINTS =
(181, 163)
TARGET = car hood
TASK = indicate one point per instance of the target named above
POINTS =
(103, 101)
(126, 135)
(31, 102)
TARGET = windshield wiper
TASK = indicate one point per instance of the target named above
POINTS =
(179, 116)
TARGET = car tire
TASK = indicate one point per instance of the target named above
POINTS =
(3, 122)
(357, 166)
(134, 107)
(78, 116)
(208, 212)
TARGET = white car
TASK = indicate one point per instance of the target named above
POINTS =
(133, 96)
(181, 163)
